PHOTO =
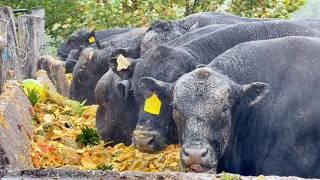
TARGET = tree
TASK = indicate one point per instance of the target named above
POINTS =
(265, 8)
(65, 16)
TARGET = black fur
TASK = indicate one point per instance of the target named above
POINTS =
(277, 136)
(81, 38)
(167, 63)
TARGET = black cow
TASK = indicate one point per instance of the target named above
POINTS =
(253, 110)
(161, 32)
(117, 106)
(195, 34)
(167, 64)
(127, 73)
(82, 37)
(96, 43)
(115, 119)
(93, 64)
(72, 59)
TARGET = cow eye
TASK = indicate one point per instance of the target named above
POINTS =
(174, 107)
(70, 41)
(225, 108)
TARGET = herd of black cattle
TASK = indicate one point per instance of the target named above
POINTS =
(240, 95)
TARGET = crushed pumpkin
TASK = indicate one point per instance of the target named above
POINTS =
(58, 122)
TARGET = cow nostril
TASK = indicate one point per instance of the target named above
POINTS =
(151, 140)
(185, 153)
(204, 154)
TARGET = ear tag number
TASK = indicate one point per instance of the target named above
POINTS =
(152, 104)
(92, 39)
(122, 63)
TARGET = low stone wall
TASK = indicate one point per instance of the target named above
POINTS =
(55, 71)
(77, 174)
(44, 79)
(15, 128)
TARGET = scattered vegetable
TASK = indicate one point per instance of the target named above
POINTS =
(29, 84)
(33, 96)
(65, 136)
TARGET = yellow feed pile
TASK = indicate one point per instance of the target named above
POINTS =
(57, 123)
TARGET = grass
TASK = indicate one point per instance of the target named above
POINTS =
(79, 108)
(105, 167)
(88, 136)
(227, 176)
(33, 96)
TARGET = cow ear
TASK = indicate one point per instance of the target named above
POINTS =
(149, 85)
(123, 68)
(124, 88)
(123, 62)
(200, 66)
(92, 37)
(255, 92)
(194, 27)
(159, 26)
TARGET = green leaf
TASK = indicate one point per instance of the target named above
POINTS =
(33, 96)
(88, 136)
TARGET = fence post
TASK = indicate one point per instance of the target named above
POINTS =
(40, 12)
(29, 39)
(9, 55)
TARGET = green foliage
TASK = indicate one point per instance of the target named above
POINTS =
(310, 10)
(202, 6)
(227, 176)
(33, 96)
(105, 167)
(65, 16)
(79, 108)
(88, 136)
(265, 9)
(57, 11)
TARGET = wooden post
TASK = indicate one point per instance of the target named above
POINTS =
(9, 56)
(29, 39)
(40, 12)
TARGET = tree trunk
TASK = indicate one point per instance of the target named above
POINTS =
(187, 12)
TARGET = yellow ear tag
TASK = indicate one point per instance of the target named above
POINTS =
(92, 39)
(152, 104)
(122, 63)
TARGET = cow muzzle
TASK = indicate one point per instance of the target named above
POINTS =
(148, 141)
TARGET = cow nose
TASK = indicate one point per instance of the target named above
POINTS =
(195, 155)
(144, 142)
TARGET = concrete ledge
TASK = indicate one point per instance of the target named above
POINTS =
(15, 128)
(44, 79)
(77, 174)
(55, 71)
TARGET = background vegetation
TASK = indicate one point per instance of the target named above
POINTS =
(65, 16)
(311, 9)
